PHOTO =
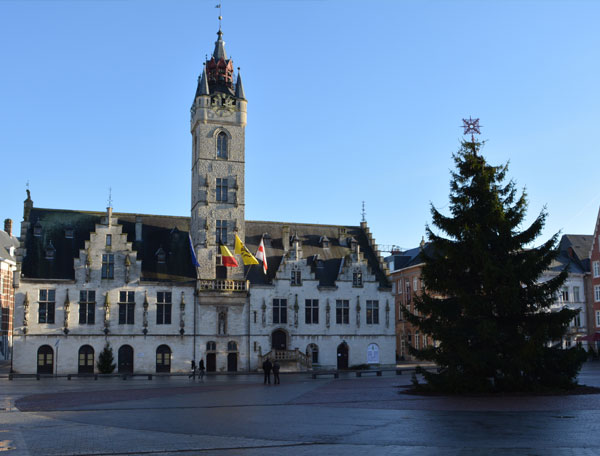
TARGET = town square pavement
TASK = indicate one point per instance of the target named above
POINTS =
(238, 415)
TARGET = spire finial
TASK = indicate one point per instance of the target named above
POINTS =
(363, 213)
(110, 200)
(220, 16)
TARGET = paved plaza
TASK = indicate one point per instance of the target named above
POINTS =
(238, 415)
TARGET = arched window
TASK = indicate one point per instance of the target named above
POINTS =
(211, 346)
(312, 351)
(232, 346)
(222, 141)
(163, 358)
(86, 360)
(45, 361)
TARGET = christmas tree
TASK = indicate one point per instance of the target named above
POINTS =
(483, 303)
(106, 363)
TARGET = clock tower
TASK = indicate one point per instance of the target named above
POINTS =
(218, 122)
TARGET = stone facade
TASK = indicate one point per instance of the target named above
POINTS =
(8, 245)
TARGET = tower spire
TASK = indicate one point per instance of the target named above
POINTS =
(239, 87)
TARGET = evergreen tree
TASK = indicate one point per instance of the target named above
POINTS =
(483, 303)
(106, 363)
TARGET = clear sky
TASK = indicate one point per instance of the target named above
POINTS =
(347, 101)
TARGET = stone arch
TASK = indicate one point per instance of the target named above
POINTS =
(279, 339)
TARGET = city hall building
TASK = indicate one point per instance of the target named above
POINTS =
(89, 278)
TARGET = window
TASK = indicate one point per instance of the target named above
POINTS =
(163, 308)
(211, 346)
(126, 307)
(87, 307)
(597, 293)
(372, 312)
(221, 232)
(311, 311)
(416, 341)
(47, 303)
(357, 279)
(342, 311)
(596, 268)
(108, 240)
(399, 286)
(108, 266)
(296, 277)
(575, 294)
(564, 294)
(37, 229)
(255, 313)
(577, 320)
(279, 310)
(222, 145)
(415, 284)
(232, 346)
(69, 234)
(598, 318)
(221, 189)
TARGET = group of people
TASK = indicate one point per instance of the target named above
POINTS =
(199, 370)
(269, 366)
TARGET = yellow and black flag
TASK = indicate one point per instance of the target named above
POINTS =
(241, 249)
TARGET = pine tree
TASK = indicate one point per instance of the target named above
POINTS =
(483, 303)
(106, 363)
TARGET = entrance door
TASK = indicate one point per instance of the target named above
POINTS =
(342, 356)
(163, 359)
(86, 360)
(232, 362)
(45, 360)
(278, 340)
(125, 359)
(211, 362)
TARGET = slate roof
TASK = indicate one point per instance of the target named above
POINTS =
(171, 234)
(573, 252)
(408, 258)
(6, 242)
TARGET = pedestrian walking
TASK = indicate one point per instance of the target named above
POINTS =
(201, 369)
(267, 366)
(276, 368)
(193, 372)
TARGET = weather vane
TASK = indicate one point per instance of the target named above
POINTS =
(220, 15)
(471, 126)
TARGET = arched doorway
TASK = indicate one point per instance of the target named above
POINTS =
(125, 359)
(232, 356)
(86, 360)
(163, 358)
(45, 360)
(342, 356)
(211, 356)
(279, 340)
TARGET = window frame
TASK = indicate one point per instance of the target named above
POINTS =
(342, 311)
(279, 311)
(357, 279)
(221, 231)
(164, 307)
(47, 306)
(596, 268)
(372, 311)
(311, 311)
(222, 145)
(108, 266)
(126, 307)
(87, 307)
(222, 190)
(296, 278)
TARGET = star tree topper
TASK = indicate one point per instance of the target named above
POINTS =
(471, 126)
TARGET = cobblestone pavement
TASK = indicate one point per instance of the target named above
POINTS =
(241, 416)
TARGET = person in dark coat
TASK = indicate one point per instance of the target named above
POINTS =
(267, 366)
(193, 372)
(276, 368)
(201, 369)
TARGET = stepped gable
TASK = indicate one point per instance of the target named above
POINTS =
(170, 233)
(329, 260)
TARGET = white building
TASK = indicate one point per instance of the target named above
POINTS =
(88, 278)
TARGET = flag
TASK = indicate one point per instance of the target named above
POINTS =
(227, 257)
(261, 256)
(241, 249)
(194, 257)
(218, 6)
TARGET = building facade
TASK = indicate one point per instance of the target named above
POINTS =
(8, 246)
(593, 288)
(130, 280)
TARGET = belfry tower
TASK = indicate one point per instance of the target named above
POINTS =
(218, 121)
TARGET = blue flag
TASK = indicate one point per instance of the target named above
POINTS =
(194, 257)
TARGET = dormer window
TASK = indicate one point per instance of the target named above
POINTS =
(222, 141)
(69, 233)
(325, 242)
(37, 229)
(108, 240)
(161, 255)
(50, 251)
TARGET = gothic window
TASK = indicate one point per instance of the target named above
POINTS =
(47, 304)
(232, 346)
(87, 307)
(296, 278)
(372, 312)
(279, 311)
(357, 279)
(221, 190)
(311, 309)
(222, 141)
(108, 266)
(163, 308)
(342, 311)
(211, 346)
(221, 231)
(126, 307)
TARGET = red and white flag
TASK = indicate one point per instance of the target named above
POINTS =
(261, 255)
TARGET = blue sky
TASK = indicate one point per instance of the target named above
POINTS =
(348, 101)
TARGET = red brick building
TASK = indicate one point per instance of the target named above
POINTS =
(8, 246)
(593, 292)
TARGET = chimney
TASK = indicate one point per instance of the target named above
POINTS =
(8, 226)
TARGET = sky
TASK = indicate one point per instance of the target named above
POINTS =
(348, 101)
